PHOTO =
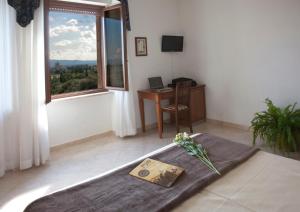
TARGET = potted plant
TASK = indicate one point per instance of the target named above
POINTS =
(278, 127)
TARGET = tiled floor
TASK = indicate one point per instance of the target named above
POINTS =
(72, 164)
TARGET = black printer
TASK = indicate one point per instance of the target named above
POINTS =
(181, 79)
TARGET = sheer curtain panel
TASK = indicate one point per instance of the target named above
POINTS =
(23, 116)
(123, 113)
(123, 120)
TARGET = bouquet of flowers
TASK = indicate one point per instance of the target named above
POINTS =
(197, 150)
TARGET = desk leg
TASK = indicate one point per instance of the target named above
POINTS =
(142, 113)
(158, 117)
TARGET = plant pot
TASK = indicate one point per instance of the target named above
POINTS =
(298, 139)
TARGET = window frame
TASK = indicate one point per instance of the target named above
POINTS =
(124, 42)
(98, 11)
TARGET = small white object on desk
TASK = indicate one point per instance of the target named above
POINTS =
(165, 89)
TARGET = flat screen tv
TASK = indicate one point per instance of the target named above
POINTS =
(172, 43)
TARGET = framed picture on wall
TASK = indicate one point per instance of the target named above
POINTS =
(141, 46)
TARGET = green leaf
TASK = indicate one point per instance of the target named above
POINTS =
(194, 149)
(277, 127)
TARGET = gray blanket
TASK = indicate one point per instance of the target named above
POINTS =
(119, 191)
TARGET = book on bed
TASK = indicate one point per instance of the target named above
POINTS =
(157, 172)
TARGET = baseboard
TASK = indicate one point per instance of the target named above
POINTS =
(83, 140)
(90, 138)
(228, 124)
(148, 127)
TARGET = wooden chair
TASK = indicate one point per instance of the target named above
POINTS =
(182, 104)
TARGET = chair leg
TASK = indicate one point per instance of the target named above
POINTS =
(177, 124)
(190, 122)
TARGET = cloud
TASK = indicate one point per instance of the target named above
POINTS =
(63, 43)
(51, 19)
(88, 34)
(56, 31)
(81, 47)
(83, 53)
(88, 39)
(73, 39)
(72, 22)
(69, 26)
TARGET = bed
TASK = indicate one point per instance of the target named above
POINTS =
(264, 182)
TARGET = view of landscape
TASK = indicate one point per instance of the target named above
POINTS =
(71, 76)
(73, 53)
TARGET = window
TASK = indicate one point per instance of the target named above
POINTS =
(114, 48)
(82, 57)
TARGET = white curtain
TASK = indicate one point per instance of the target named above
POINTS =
(123, 113)
(23, 116)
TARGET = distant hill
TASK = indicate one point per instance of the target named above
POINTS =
(72, 62)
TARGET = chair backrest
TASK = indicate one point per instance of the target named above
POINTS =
(183, 93)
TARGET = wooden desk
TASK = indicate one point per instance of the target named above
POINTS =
(198, 108)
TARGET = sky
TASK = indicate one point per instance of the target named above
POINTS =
(72, 36)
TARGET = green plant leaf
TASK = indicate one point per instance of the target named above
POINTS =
(277, 127)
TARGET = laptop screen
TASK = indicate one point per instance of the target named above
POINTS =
(156, 83)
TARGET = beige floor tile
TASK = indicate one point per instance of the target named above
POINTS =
(231, 206)
(234, 181)
(201, 202)
(273, 192)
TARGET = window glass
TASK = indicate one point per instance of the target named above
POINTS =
(72, 52)
(114, 51)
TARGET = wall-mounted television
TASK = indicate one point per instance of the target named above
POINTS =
(172, 43)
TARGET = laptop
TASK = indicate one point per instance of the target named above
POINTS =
(157, 84)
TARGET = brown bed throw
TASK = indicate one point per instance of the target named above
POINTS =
(119, 191)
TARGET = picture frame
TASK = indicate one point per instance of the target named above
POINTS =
(141, 46)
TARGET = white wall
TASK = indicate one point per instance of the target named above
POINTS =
(244, 51)
(152, 19)
(77, 118)
(71, 120)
